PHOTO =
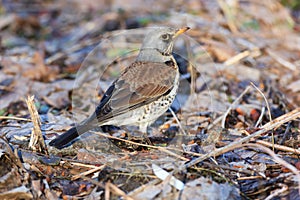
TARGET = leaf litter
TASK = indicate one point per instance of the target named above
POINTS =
(239, 109)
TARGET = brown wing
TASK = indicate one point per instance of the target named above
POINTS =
(141, 83)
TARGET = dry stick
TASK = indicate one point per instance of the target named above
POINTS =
(107, 192)
(278, 146)
(87, 172)
(215, 122)
(237, 58)
(82, 165)
(277, 192)
(229, 15)
(260, 117)
(254, 52)
(239, 170)
(15, 118)
(151, 146)
(249, 177)
(267, 103)
(173, 154)
(118, 191)
(281, 60)
(268, 107)
(271, 125)
(278, 160)
(36, 142)
(108, 186)
(177, 120)
(233, 104)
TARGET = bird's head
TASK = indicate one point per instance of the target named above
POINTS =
(161, 41)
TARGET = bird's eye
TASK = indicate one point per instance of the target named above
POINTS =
(165, 36)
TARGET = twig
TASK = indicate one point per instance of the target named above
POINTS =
(164, 149)
(249, 177)
(233, 104)
(267, 103)
(253, 52)
(281, 61)
(278, 160)
(83, 165)
(237, 58)
(87, 172)
(277, 192)
(279, 147)
(107, 192)
(36, 142)
(268, 107)
(15, 118)
(172, 154)
(229, 14)
(177, 120)
(269, 126)
(118, 191)
(215, 122)
(108, 187)
(239, 170)
(260, 117)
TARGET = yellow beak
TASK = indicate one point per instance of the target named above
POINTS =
(180, 31)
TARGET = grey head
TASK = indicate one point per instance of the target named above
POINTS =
(158, 44)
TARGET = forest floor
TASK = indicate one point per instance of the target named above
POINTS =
(234, 131)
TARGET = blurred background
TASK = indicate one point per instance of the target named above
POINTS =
(46, 41)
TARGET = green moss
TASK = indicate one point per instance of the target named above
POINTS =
(293, 4)
(252, 24)
(3, 111)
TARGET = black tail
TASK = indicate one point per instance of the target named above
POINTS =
(60, 141)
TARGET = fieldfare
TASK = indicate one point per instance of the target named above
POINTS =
(142, 93)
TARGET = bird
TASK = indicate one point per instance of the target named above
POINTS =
(143, 92)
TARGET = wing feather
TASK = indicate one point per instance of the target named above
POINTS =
(139, 84)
